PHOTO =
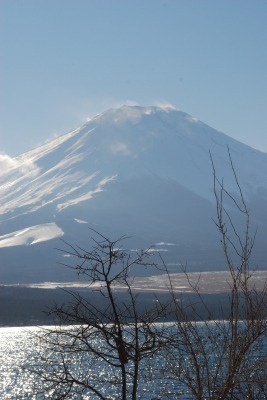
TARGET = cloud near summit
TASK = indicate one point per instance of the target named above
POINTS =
(21, 163)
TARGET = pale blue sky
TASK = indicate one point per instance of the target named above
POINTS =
(65, 60)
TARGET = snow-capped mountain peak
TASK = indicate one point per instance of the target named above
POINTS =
(132, 169)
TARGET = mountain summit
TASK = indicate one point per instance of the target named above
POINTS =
(140, 171)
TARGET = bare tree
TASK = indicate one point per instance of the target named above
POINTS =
(108, 346)
(222, 359)
(100, 343)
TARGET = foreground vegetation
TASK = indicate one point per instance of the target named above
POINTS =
(217, 359)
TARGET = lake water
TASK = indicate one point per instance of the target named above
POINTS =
(16, 347)
(20, 346)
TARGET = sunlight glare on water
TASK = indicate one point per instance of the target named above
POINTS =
(21, 346)
(16, 348)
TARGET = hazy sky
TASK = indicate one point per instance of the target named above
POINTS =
(64, 60)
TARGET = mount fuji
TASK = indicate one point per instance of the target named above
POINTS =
(144, 172)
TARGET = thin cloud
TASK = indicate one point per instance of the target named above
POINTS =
(165, 105)
(90, 108)
(21, 164)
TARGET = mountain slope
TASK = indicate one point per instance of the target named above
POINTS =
(140, 171)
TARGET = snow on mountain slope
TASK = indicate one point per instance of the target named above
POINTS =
(124, 143)
(31, 235)
(143, 171)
